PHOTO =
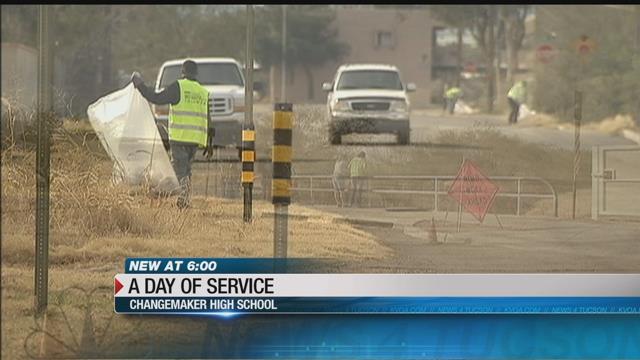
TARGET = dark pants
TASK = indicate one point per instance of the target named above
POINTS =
(515, 109)
(451, 104)
(181, 158)
(357, 183)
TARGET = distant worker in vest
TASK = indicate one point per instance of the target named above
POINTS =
(445, 103)
(517, 96)
(451, 97)
(339, 179)
(357, 168)
(189, 123)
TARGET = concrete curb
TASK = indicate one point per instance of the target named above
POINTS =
(291, 216)
(384, 224)
(631, 135)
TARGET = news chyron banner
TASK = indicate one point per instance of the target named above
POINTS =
(279, 286)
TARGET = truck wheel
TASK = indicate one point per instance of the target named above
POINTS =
(335, 138)
(404, 137)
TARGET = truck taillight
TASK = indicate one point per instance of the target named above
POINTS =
(160, 110)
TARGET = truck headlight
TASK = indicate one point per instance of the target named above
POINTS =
(341, 105)
(399, 106)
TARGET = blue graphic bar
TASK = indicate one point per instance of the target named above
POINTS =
(222, 265)
(369, 305)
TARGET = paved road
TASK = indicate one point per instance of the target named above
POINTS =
(425, 123)
(510, 244)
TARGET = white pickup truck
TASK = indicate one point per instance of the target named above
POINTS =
(223, 78)
(368, 98)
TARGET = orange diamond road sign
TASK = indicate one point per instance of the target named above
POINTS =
(473, 190)
(585, 46)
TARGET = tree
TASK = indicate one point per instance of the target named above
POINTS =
(636, 64)
(459, 17)
(311, 40)
(484, 24)
(19, 24)
(484, 28)
(605, 75)
(514, 17)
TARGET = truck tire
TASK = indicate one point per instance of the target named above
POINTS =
(404, 137)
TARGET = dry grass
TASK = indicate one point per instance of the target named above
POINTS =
(96, 225)
(613, 125)
(540, 120)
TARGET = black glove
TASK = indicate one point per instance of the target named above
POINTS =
(136, 78)
(208, 150)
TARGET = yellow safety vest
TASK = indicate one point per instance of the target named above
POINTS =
(357, 166)
(517, 92)
(453, 93)
(188, 119)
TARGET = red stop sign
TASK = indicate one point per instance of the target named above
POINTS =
(545, 53)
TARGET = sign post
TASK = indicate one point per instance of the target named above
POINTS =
(584, 47)
(577, 120)
(43, 169)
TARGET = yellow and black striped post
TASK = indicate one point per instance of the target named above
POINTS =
(248, 160)
(281, 184)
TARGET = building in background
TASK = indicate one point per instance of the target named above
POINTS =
(391, 36)
(20, 77)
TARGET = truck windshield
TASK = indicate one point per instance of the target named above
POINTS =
(369, 79)
(208, 74)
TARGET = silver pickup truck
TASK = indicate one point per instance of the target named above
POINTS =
(368, 98)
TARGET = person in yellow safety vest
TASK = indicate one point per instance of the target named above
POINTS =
(451, 97)
(357, 168)
(445, 103)
(189, 122)
(517, 95)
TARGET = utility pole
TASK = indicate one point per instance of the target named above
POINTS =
(248, 129)
(637, 59)
(43, 170)
(283, 61)
(499, 36)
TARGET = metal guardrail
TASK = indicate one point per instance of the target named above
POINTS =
(519, 194)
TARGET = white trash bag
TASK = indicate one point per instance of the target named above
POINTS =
(127, 130)
(525, 112)
(462, 108)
